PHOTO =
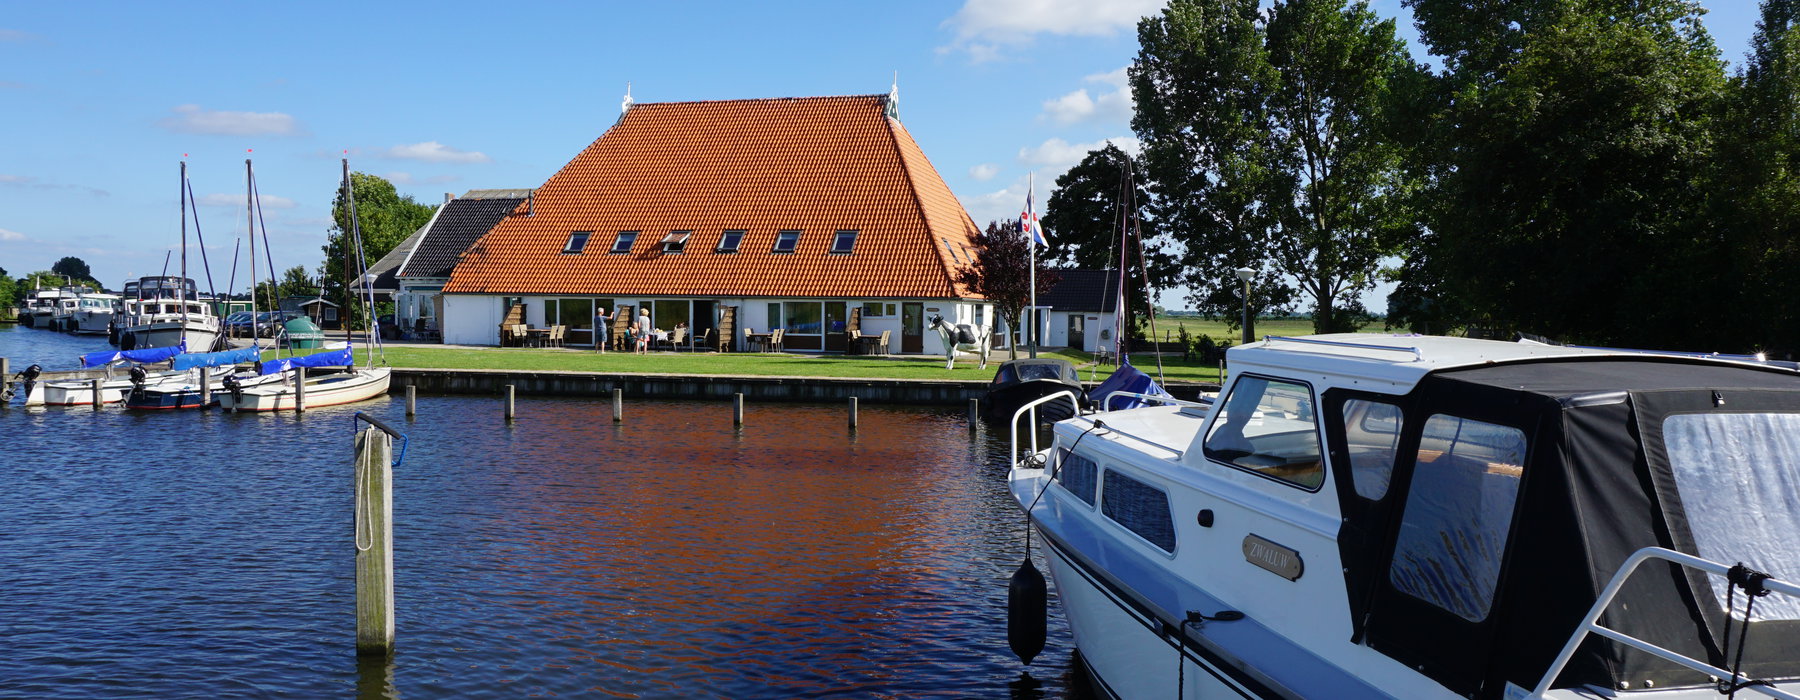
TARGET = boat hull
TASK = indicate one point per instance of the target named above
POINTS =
(182, 395)
(198, 335)
(80, 392)
(1000, 403)
(327, 390)
(92, 322)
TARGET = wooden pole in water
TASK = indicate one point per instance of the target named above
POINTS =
(95, 383)
(852, 413)
(737, 409)
(5, 370)
(412, 400)
(509, 402)
(205, 387)
(974, 412)
(299, 389)
(374, 538)
(618, 405)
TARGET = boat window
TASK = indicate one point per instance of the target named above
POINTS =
(1140, 507)
(1267, 426)
(1077, 474)
(1371, 434)
(1735, 475)
(1458, 512)
(1052, 372)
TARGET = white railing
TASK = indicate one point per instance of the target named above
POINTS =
(1590, 623)
(1012, 429)
(1151, 397)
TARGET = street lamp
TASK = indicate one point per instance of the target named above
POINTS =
(1246, 274)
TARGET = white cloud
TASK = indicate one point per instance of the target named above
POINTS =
(434, 152)
(1109, 107)
(984, 28)
(17, 179)
(440, 179)
(15, 35)
(33, 183)
(984, 171)
(1059, 155)
(191, 119)
(269, 201)
(398, 178)
(6, 235)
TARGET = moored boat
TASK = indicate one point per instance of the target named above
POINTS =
(167, 312)
(1375, 516)
(350, 385)
(93, 314)
(186, 391)
(1019, 382)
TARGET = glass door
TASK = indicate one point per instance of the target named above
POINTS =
(912, 327)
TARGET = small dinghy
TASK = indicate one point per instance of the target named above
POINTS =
(1019, 382)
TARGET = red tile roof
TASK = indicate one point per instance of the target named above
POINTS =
(816, 164)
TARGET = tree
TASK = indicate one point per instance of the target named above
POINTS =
(1084, 217)
(1273, 143)
(1002, 273)
(48, 279)
(74, 269)
(1568, 160)
(386, 218)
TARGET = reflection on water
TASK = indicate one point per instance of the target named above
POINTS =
(670, 556)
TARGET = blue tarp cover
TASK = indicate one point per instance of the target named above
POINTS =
(335, 358)
(101, 359)
(1125, 378)
(186, 361)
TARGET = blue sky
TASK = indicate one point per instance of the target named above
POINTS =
(99, 101)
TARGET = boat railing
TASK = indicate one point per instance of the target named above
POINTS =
(1416, 353)
(1591, 625)
(1159, 398)
(1012, 438)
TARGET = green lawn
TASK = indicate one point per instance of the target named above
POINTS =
(771, 364)
(1220, 331)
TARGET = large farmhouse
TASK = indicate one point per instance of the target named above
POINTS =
(810, 215)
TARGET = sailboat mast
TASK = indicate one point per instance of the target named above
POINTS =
(181, 285)
(250, 215)
(1031, 311)
(345, 238)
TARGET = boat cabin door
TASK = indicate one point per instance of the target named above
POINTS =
(1077, 331)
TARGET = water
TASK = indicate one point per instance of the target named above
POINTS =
(207, 554)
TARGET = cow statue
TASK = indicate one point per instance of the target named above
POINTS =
(959, 338)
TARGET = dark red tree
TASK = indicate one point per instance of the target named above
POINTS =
(1002, 272)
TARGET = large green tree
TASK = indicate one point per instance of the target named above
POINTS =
(1569, 154)
(1271, 142)
(75, 269)
(1091, 204)
(386, 218)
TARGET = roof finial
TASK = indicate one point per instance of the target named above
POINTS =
(893, 101)
(625, 106)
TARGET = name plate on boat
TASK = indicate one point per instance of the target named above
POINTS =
(1275, 558)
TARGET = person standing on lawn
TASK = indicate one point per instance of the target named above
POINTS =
(602, 329)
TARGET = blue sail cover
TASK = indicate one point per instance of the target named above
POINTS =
(106, 357)
(1126, 378)
(335, 358)
(186, 361)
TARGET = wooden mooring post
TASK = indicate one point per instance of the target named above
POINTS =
(737, 409)
(205, 387)
(5, 370)
(99, 398)
(852, 413)
(412, 401)
(374, 539)
(974, 413)
(618, 405)
(509, 403)
(299, 389)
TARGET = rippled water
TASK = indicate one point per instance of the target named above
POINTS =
(206, 554)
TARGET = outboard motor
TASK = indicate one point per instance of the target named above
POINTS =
(235, 387)
(139, 378)
(29, 378)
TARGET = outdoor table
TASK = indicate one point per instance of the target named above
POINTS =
(537, 336)
(760, 341)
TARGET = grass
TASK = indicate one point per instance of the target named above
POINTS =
(1219, 330)
(755, 364)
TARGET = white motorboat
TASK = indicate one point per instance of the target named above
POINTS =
(166, 313)
(328, 389)
(1366, 516)
(93, 314)
(41, 306)
(80, 392)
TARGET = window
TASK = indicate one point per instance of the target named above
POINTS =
(330, 313)
(786, 241)
(577, 241)
(871, 309)
(1371, 434)
(1458, 512)
(774, 315)
(623, 243)
(980, 315)
(675, 241)
(1266, 426)
(803, 318)
(670, 312)
(1735, 475)
(728, 242)
(1140, 507)
(843, 242)
(1076, 474)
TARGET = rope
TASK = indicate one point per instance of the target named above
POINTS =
(205, 264)
(365, 476)
(1098, 425)
(362, 271)
(1751, 581)
(274, 285)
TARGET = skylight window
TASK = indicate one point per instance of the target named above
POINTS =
(623, 243)
(675, 241)
(728, 243)
(843, 242)
(786, 241)
(577, 241)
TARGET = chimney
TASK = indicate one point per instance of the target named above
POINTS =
(530, 202)
(448, 196)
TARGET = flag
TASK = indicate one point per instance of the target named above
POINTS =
(1028, 223)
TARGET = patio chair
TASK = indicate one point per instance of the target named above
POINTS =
(556, 335)
(748, 342)
(676, 338)
(881, 346)
(704, 340)
(775, 339)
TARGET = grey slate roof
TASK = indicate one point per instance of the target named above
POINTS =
(461, 222)
(389, 265)
(1084, 290)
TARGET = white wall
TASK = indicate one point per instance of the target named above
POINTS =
(471, 319)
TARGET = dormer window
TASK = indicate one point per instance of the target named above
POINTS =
(728, 243)
(675, 241)
(843, 242)
(623, 243)
(577, 241)
(786, 241)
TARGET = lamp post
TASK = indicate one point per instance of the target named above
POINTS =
(1245, 274)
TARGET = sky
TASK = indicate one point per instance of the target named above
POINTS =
(100, 101)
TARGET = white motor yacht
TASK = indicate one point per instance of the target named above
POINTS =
(1367, 516)
(167, 312)
(93, 313)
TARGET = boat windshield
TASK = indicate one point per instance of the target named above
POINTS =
(1736, 474)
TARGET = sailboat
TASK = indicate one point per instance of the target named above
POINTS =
(351, 385)
(167, 311)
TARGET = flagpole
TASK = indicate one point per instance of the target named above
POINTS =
(1031, 240)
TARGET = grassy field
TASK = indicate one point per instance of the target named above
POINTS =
(1220, 331)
